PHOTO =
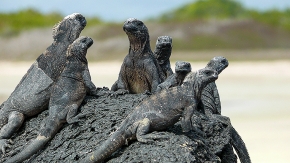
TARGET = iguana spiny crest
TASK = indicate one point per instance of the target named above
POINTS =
(74, 22)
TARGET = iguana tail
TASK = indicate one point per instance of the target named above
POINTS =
(240, 146)
(107, 148)
(47, 131)
(30, 150)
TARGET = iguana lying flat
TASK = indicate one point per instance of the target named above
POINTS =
(181, 70)
(156, 113)
(162, 53)
(140, 71)
(210, 104)
(31, 95)
(67, 95)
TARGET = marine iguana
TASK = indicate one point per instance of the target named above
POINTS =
(210, 105)
(162, 53)
(31, 95)
(210, 101)
(156, 113)
(140, 71)
(181, 70)
(67, 95)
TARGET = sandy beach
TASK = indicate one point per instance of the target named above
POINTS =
(255, 95)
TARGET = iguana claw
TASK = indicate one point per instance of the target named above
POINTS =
(5, 143)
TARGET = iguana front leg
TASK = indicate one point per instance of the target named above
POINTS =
(48, 129)
(71, 116)
(186, 123)
(15, 121)
(142, 134)
(91, 88)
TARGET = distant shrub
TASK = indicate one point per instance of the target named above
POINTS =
(12, 23)
(226, 9)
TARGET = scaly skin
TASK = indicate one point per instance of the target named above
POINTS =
(67, 95)
(162, 53)
(210, 104)
(140, 71)
(156, 113)
(181, 70)
(31, 95)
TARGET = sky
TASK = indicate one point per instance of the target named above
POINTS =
(120, 10)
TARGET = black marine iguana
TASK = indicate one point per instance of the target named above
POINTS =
(31, 95)
(181, 70)
(210, 105)
(162, 53)
(157, 112)
(67, 95)
(140, 71)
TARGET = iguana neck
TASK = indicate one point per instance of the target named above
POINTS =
(159, 58)
(194, 88)
(139, 46)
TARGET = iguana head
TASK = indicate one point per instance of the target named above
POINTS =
(137, 33)
(69, 28)
(196, 81)
(181, 66)
(79, 48)
(163, 48)
(218, 63)
(206, 75)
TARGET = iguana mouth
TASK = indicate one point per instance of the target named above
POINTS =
(90, 42)
(84, 23)
(128, 28)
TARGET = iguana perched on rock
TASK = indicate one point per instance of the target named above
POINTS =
(210, 105)
(140, 71)
(67, 95)
(181, 70)
(31, 95)
(162, 53)
(210, 95)
(158, 112)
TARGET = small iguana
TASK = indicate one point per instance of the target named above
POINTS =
(140, 71)
(31, 95)
(210, 101)
(67, 95)
(210, 105)
(181, 70)
(162, 53)
(158, 112)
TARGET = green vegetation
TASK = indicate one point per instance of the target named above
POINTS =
(226, 9)
(201, 9)
(203, 25)
(13, 23)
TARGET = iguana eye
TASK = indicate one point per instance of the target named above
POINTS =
(207, 72)
(139, 23)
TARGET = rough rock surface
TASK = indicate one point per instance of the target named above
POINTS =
(101, 117)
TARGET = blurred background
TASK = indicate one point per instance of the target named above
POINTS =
(253, 35)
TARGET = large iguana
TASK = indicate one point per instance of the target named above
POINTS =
(210, 105)
(67, 95)
(31, 95)
(162, 53)
(140, 71)
(158, 112)
(181, 70)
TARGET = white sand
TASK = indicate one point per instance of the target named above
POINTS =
(255, 95)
